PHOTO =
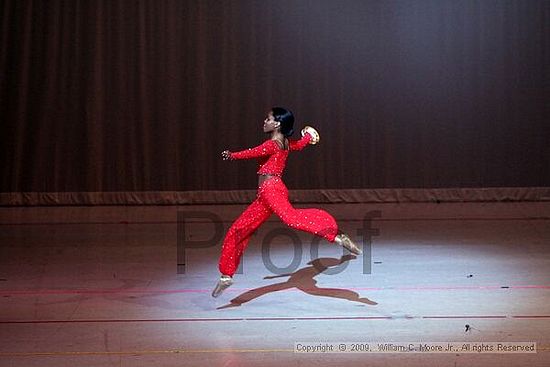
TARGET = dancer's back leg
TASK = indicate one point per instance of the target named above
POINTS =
(275, 194)
(316, 221)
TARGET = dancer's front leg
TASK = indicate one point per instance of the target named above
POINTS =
(236, 240)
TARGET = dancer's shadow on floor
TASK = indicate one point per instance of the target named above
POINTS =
(302, 279)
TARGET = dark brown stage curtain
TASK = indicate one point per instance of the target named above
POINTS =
(126, 96)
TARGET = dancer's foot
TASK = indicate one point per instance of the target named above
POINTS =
(344, 240)
(224, 283)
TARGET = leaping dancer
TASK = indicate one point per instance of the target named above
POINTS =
(272, 196)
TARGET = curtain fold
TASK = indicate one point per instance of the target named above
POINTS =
(142, 96)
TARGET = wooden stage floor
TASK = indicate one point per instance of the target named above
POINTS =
(100, 286)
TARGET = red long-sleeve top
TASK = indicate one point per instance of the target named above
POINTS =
(271, 157)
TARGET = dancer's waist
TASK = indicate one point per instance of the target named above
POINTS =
(262, 177)
(268, 175)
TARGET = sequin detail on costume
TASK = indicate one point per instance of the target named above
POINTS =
(272, 198)
(271, 158)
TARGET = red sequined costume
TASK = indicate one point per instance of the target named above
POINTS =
(272, 198)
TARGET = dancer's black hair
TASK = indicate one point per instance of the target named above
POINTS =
(285, 118)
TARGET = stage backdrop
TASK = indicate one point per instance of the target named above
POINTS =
(130, 96)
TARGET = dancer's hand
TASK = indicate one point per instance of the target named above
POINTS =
(226, 155)
(315, 137)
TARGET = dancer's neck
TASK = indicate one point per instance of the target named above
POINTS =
(277, 135)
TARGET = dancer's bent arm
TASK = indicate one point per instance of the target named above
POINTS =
(300, 144)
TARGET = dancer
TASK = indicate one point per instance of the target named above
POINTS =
(272, 196)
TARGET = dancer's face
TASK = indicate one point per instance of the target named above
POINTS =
(270, 124)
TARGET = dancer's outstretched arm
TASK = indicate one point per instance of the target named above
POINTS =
(269, 147)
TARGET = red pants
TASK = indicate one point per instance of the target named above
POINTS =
(272, 198)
